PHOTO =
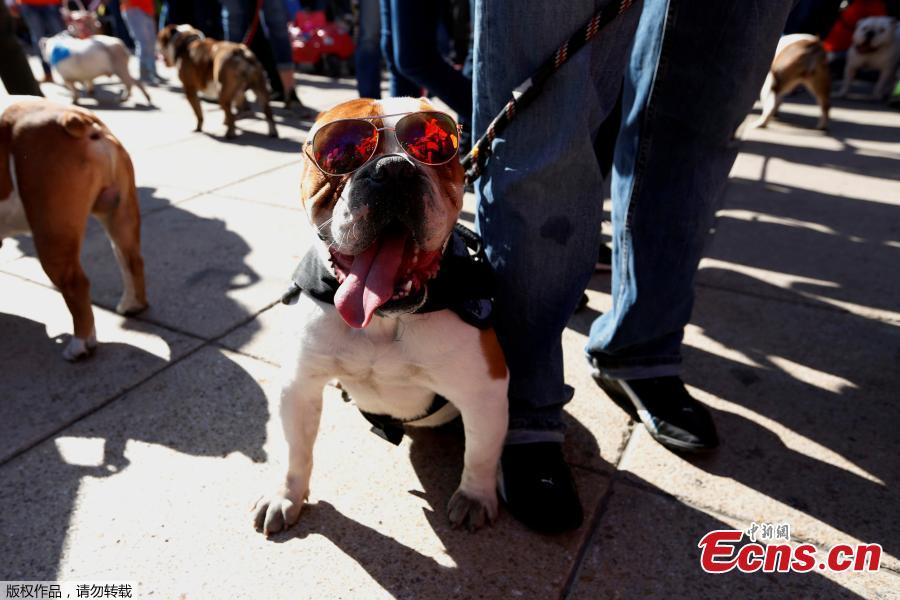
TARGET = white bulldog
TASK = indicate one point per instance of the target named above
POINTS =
(83, 60)
(876, 46)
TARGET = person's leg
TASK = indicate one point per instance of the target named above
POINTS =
(539, 210)
(368, 51)
(695, 69)
(235, 22)
(142, 30)
(399, 85)
(14, 69)
(33, 17)
(274, 18)
(414, 26)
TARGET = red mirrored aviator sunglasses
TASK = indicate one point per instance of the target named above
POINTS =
(343, 146)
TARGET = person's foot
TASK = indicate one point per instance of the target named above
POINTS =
(672, 416)
(537, 487)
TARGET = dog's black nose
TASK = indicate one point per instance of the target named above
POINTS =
(392, 167)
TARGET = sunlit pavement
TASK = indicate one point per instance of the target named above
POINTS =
(141, 463)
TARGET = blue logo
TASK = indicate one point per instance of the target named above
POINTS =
(59, 54)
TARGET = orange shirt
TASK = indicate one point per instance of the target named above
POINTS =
(145, 5)
(841, 35)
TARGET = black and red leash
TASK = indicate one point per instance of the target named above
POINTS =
(528, 90)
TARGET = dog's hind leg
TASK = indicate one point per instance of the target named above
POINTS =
(820, 88)
(262, 96)
(230, 91)
(118, 211)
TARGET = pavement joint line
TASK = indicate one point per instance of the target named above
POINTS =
(171, 204)
(98, 407)
(159, 145)
(262, 203)
(138, 317)
(795, 302)
(248, 177)
(594, 526)
(722, 515)
(211, 342)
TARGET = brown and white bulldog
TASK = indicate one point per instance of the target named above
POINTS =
(224, 70)
(59, 165)
(800, 59)
(383, 230)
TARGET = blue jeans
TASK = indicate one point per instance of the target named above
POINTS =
(688, 79)
(410, 48)
(142, 28)
(368, 50)
(274, 18)
(42, 21)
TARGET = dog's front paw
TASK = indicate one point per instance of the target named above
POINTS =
(468, 511)
(79, 348)
(277, 512)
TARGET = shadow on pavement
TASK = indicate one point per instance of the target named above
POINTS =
(205, 405)
(491, 562)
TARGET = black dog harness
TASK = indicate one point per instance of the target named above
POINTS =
(464, 285)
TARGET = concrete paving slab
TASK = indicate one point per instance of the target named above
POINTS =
(173, 467)
(280, 187)
(36, 324)
(210, 262)
(203, 162)
(828, 208)
(805, 402)
(646, 547)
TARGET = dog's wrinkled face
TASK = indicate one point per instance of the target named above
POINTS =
(874, 33)
(383, 228)
(171, 37)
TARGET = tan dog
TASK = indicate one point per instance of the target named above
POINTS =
(385, 230)
(800, 59)
(59, 165)
(224, 70)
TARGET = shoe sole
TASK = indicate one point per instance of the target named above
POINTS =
(624, 393)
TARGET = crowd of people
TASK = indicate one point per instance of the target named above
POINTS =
(654, 102)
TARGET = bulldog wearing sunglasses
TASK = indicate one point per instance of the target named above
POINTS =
(382, 186)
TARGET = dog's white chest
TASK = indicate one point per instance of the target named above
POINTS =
(12, 212)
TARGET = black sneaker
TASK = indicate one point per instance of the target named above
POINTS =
(537, 486)
(672, 416)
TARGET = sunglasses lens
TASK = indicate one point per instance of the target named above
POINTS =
(344, 146)
(429, 137)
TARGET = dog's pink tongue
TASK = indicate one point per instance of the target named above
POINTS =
(370, 282)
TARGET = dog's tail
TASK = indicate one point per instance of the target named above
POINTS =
(106, 151)
(814, 55)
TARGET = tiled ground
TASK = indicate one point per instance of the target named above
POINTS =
(141, 463)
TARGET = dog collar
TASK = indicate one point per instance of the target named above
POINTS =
(390, 428)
